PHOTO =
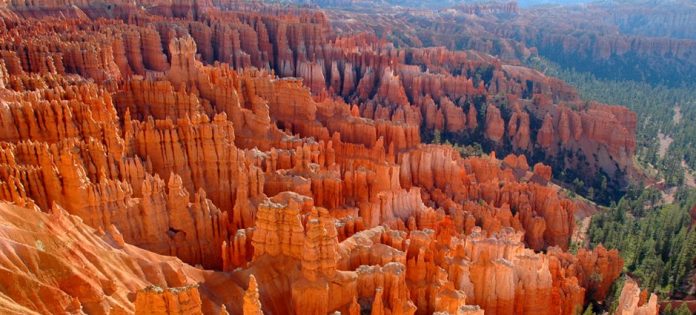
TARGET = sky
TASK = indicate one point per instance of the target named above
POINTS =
(526, 3)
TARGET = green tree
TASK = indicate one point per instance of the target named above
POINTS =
(588, 310)
(578, 184)
(658, 245)
(683, 310)
(437, 136)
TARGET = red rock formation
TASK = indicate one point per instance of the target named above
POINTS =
(155, 300)
(518, 129)
(252, 305)
(57, 264)
(630, 301)
(495, 126)
(587, 266)
(542, 171)
(454, 116)
(312, 204)
(546, 133)
(295, 47)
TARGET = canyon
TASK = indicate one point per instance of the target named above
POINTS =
(606, 38)
(224, 157)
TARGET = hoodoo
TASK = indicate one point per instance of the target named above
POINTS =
(236, 157)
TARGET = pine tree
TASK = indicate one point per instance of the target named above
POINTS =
(588, 310)
(437, 136)
(682, 310)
